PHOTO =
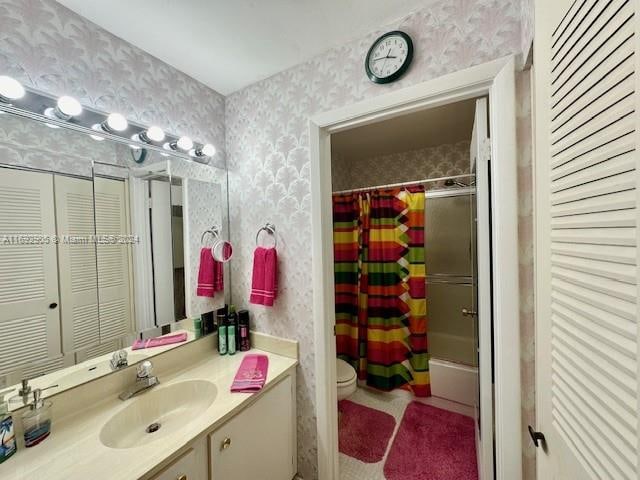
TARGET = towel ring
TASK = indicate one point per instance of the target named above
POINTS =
(213, 231)
(270, 228)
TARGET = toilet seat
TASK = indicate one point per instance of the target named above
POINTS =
(345, 373)
(347, 379)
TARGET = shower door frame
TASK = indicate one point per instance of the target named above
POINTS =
(497, 80)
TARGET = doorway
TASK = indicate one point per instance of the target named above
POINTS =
(406, 289)
(496, 80)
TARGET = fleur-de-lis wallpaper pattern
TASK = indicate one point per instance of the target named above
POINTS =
(269, 169)
(430, 162)
(51, 48)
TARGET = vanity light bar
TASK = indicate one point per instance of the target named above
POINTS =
(67, 112)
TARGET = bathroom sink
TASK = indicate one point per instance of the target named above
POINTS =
(157, 413)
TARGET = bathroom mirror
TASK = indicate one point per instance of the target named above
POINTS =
(96, 250)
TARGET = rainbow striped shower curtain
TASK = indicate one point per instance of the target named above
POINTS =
(381, 323)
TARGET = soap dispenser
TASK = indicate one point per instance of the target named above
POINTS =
(7, 434)
(36, 422)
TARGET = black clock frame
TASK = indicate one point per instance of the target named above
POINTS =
(401, 71)
(139, 155)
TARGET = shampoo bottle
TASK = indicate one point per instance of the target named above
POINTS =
(222, 334)
(232, 332)
(243, 330)
(7, 433)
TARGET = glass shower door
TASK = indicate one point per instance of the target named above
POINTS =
(451, 291)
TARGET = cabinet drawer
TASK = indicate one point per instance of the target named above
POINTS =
(191, 465)
(258, 443)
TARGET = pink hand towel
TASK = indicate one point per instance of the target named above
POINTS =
(218, 276)
(252, 374)
(206, 274)
(264, 285)
(210, 274)
(159, 341)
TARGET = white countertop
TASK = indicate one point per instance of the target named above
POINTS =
(74, 450)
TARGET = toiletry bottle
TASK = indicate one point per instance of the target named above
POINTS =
(222, 334)
(233, 320)
(231, 338)
(243, 330)
(197, 327)
(207, 323)
(36, 422)
(231, 330)
(8, 444)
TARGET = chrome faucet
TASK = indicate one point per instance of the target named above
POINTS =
(119, 360)
(144, 381)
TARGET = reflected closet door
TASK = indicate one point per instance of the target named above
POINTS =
(29, 311)
(114, 258)
(77, 260)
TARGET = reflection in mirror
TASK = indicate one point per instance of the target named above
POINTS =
(96, 251)
(49, 298)
(222, 251)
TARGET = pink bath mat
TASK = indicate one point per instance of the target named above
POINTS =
(432, 444)
(364, 432)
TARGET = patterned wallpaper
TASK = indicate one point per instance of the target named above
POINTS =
(431, 162)
(268, 161)
(51, 48)
(526, 37)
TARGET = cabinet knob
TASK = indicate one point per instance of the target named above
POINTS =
(181, 477)
(226, 443)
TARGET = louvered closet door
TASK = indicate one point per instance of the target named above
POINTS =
(78, 285)
(587, 239)
(114, 285)
(29, 327)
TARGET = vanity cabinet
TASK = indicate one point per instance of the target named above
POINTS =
(191, 465)
(260, 442)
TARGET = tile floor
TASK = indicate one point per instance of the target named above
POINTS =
(393, 403)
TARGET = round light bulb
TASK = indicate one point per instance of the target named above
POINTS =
(208, 150)
(185, 143)
(117, 122)
(69, 106)
(155, 134)
(11, 88)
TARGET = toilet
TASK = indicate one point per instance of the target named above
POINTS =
(347, 379)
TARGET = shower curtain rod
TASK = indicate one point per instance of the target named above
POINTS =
(404, 184)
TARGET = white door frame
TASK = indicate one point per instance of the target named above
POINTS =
(496, 79)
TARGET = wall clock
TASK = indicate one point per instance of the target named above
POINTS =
(139, 155)
(389, 57)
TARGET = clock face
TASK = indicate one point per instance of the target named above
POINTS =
(389, 57)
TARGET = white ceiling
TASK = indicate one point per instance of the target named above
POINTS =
(426, 128)
(229, 44)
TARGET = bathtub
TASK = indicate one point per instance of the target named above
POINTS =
(454, 381)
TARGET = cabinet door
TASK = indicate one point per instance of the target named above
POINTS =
(192, 465)
(257, 444)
